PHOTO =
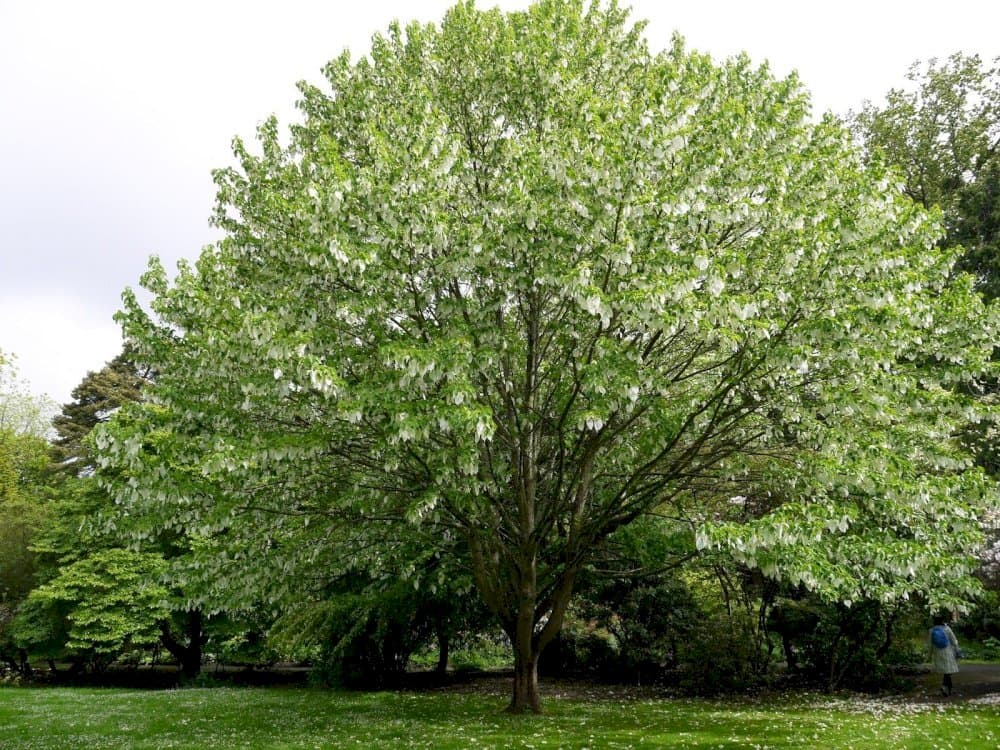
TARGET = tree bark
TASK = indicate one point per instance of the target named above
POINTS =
(790, 658)
(22, 654)
(525, 694)
(188, 655)
(529, 641)
(529, 623)
(524, 697)
(443, 644)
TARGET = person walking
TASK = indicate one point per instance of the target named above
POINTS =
(944, 652)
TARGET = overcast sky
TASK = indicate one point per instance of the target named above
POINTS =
(113, 114)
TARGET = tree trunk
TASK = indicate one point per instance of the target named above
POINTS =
(517, 608)
(25, 664)
(188, 655)
(528, 644)
(14, 666)
(833, 678)
(525, 694)
(890, 629)
(786, 645)
(443, 644)
(521, 632)
(191, 663)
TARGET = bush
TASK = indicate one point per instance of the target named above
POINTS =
(364, 637)
(481, 652)
(718, 657)
(679, 628)
(834, 646)
(991, 649)
(361, 643)
(582, 647)
(650, 623)
(984, 650)
(984, 619)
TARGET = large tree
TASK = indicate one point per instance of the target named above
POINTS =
(517, 281)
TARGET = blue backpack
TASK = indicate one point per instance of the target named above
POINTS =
(938, 637)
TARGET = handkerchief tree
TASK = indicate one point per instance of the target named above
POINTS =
(515, 281)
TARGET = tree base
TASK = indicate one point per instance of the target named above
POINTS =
(533, 708)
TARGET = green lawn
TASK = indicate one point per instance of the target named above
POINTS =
(301, 718)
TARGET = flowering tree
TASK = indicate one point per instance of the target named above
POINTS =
(516, 282)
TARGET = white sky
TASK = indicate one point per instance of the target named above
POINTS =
(113, 114)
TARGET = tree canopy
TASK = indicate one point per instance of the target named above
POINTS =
(515, 282)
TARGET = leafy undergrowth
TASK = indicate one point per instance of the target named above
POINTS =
(302, 718)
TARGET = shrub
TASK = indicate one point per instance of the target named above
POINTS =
(717, 657)
(991, 649)
(582, 647)
(836, 646)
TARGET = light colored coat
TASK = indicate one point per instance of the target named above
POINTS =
(944, 660)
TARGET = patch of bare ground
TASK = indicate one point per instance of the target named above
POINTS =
(975, 683)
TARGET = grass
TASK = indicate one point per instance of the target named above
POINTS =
(303, 718)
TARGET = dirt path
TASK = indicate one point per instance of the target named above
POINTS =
(978, 683)
(973, 682)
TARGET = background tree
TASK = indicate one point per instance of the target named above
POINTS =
(21, 412)
(22, 515)
(72, 614)
(112, 599)
(518, 281)
(363, 632)
(23, 459)
(95, 399)
(943, 135)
